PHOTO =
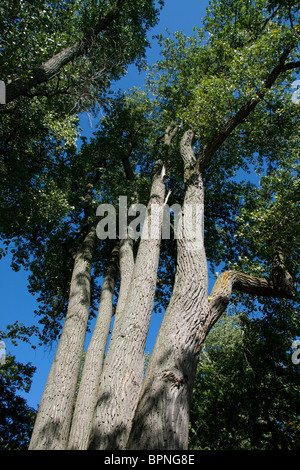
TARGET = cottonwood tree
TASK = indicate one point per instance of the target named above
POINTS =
(16, 417)
(221, 103)
(167, 388)
(58, 59)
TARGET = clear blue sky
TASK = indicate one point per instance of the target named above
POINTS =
(16, 302)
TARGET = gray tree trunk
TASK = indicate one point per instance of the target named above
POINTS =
(161, 420)
(123, 369)
(90, 379)
(156, 415)
(51, 429)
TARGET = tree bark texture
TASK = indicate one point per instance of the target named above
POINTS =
(91, 374)
(52, 426)
(126, 271)
(162, 417)
(123, 369)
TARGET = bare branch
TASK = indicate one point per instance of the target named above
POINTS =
(229, 281)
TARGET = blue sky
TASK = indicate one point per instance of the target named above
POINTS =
(16, 302)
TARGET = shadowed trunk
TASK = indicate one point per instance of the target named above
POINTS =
(90, 379)
(123, 368)
(51, 429)
(54, 65)
(162, 417)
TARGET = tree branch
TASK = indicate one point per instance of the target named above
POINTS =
(130, 176)
(186, 150)
(170, 134)
(245, 110)
(53, 66)
(229, 281)
(291, 66)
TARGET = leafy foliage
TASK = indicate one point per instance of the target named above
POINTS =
(19, 332)
(246, 394)
(45, 192)
(16, 417)
(52, 182)
(39, 130)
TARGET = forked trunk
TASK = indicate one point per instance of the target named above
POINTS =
(123, 369)
(162, 417)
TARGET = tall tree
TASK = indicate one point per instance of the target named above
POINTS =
(167, 387)
(219, 100)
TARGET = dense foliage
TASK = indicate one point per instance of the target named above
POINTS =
(231, 83)
(246, 393)
(16, 417)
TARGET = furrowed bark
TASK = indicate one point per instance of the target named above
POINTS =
(162, 417)
(169, 380)
(123, 368)
(51, 429)
(126, 271)
(53, 66)
(124, 364)
(122, 261)
(91, 374)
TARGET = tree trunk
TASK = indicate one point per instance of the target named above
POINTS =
(161, 420)
(53, 420)
(123, 369)
(91, 374)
